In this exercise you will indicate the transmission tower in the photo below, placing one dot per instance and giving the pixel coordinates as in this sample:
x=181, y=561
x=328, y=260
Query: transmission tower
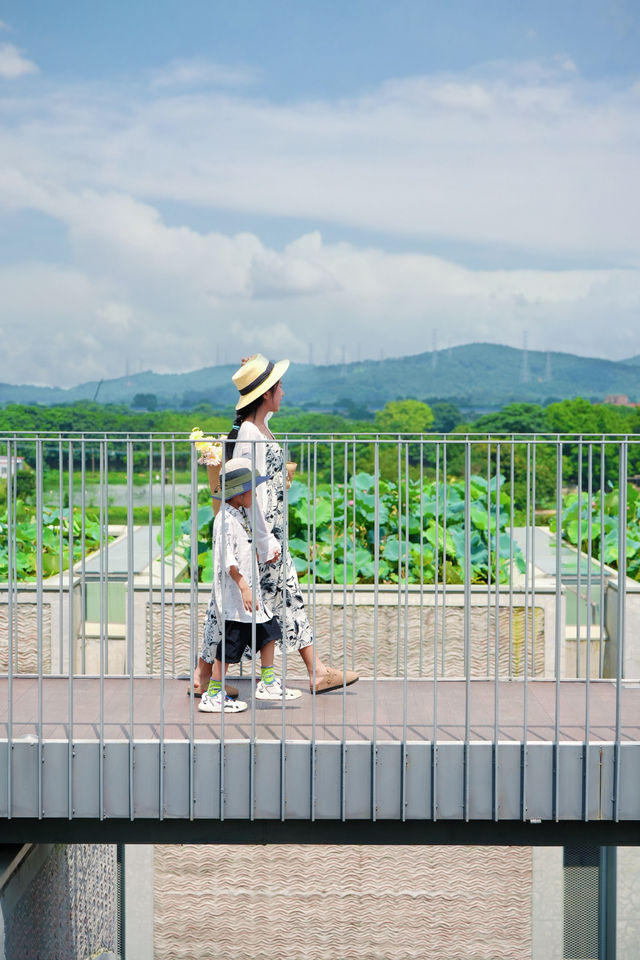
x=524, y=373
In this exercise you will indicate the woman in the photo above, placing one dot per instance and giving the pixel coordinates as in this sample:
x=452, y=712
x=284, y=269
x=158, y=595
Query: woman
x=260, y=389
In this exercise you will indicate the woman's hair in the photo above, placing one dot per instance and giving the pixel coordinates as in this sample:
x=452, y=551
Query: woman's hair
x=241, y=415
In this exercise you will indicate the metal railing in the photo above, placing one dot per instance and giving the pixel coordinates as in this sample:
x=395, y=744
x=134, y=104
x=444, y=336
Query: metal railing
x=477, y=584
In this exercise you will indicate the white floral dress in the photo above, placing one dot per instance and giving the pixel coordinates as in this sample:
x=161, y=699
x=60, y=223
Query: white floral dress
x=269, y=461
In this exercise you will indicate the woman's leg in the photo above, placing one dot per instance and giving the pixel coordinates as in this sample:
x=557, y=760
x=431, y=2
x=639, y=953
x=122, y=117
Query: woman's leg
x=202, y=674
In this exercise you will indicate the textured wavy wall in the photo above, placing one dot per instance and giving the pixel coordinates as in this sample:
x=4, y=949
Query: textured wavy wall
x=342, y=903
x=354, y=630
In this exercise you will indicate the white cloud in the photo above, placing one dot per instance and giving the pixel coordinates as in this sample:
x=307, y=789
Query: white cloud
x=12, y=63
x=527, y=157
x=201, y=73
x=530, y=157
x=171, y=297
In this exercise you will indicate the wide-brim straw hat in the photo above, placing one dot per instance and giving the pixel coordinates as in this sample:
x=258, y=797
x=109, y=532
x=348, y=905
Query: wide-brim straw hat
x=238, y=478
x=256, y=376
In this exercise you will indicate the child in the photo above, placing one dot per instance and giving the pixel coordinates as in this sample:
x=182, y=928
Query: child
x=233, y=595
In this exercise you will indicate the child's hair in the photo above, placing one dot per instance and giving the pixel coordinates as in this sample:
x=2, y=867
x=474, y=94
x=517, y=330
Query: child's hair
x=241, y=416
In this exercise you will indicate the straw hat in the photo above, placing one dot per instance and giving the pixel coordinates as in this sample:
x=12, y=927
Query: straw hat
x=256, y=376
x=238, y=478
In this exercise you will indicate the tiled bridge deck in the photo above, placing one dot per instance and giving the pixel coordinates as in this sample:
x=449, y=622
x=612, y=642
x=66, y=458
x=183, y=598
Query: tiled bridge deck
x=325, y=757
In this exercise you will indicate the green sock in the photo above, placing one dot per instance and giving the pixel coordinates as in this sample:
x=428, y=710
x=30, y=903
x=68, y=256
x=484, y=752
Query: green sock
x=215, y=686
x=267, y=674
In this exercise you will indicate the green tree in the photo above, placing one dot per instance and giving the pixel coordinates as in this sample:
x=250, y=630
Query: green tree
x=404, y=416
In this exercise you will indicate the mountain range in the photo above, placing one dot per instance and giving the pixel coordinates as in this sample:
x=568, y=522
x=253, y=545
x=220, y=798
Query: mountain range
x=475, y=375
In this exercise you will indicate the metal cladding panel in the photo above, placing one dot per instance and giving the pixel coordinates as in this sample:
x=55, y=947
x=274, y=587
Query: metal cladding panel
x=359, y=757
x=267, y=778
x=570, y=789
x=86, y=779
x=389, y=774
x=297, y=783
x=24, y=779
x=481, y=781
x=540, y=782
x=146, y=779
x=601, y=781
x=5, y=753
x=418, y=784
x=236, y=760
x=206, y=780
x=450, y=781
x=328, y=781
x=629, y=800
x=508, y=757
x=115, y=778
x=176, y=779
x=55, y=778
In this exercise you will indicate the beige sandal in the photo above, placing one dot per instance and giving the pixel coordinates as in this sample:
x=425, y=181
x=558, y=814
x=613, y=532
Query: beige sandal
x=334, y=680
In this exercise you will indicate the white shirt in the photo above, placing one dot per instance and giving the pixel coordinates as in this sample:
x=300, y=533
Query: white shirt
x=232, y=536
x=252, y=444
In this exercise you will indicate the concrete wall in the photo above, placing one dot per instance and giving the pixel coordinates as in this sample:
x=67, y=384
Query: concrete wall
x=60, y=903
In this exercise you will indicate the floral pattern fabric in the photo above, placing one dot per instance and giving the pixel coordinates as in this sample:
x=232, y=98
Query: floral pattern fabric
x=278, y=581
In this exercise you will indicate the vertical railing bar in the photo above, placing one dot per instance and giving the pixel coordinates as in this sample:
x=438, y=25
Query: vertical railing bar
x=467, y=620
x=60, y=556
x=70, y=752
x=528, y=577
x=12, y=466
x=399, y=568
x=511, y=554
x=622, y=598
x=173, y=555
x=223, y=624
x=254, y=653
x=308, y=516
x=285, y=537
x=333, y=545
x=343, y=745
x=152, y=649
x=162, y=748
x=345, y=570
x=421, y=498
x=579, y=562
x=355, y=571
x=193, y=624
x=130, y=620
x=533, y=560
x=434, y=735
x=405, y=685
x=444, y=555
x=40, y=609
x=14, y=547
x=603, y=547
x=105, y=583
x=587, y=701
x=83, y=554
x=559, y=634
x=496, y=655
x=101, y=454
x=488, y=658
x=376, y=590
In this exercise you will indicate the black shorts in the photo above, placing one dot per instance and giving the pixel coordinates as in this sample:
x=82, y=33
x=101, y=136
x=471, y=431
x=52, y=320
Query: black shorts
x=238, y=638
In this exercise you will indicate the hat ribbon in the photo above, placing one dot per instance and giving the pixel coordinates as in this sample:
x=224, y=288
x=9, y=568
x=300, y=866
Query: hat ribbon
x=256, y=383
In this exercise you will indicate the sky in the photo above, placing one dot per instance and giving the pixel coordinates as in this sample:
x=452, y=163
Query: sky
x=183, y=183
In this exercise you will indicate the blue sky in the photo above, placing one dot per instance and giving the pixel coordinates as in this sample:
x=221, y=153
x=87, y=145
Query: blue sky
x=186, y=181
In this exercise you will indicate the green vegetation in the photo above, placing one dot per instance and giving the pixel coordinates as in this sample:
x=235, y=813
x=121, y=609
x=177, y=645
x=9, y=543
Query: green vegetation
x=594, y=523
x=332, y=537
x=55, y=540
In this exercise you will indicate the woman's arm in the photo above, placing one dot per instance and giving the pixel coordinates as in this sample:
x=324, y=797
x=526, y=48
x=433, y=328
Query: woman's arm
x=251, y=444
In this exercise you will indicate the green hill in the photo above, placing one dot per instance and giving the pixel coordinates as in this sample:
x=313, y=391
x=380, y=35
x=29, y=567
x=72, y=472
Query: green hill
x=478, y=374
